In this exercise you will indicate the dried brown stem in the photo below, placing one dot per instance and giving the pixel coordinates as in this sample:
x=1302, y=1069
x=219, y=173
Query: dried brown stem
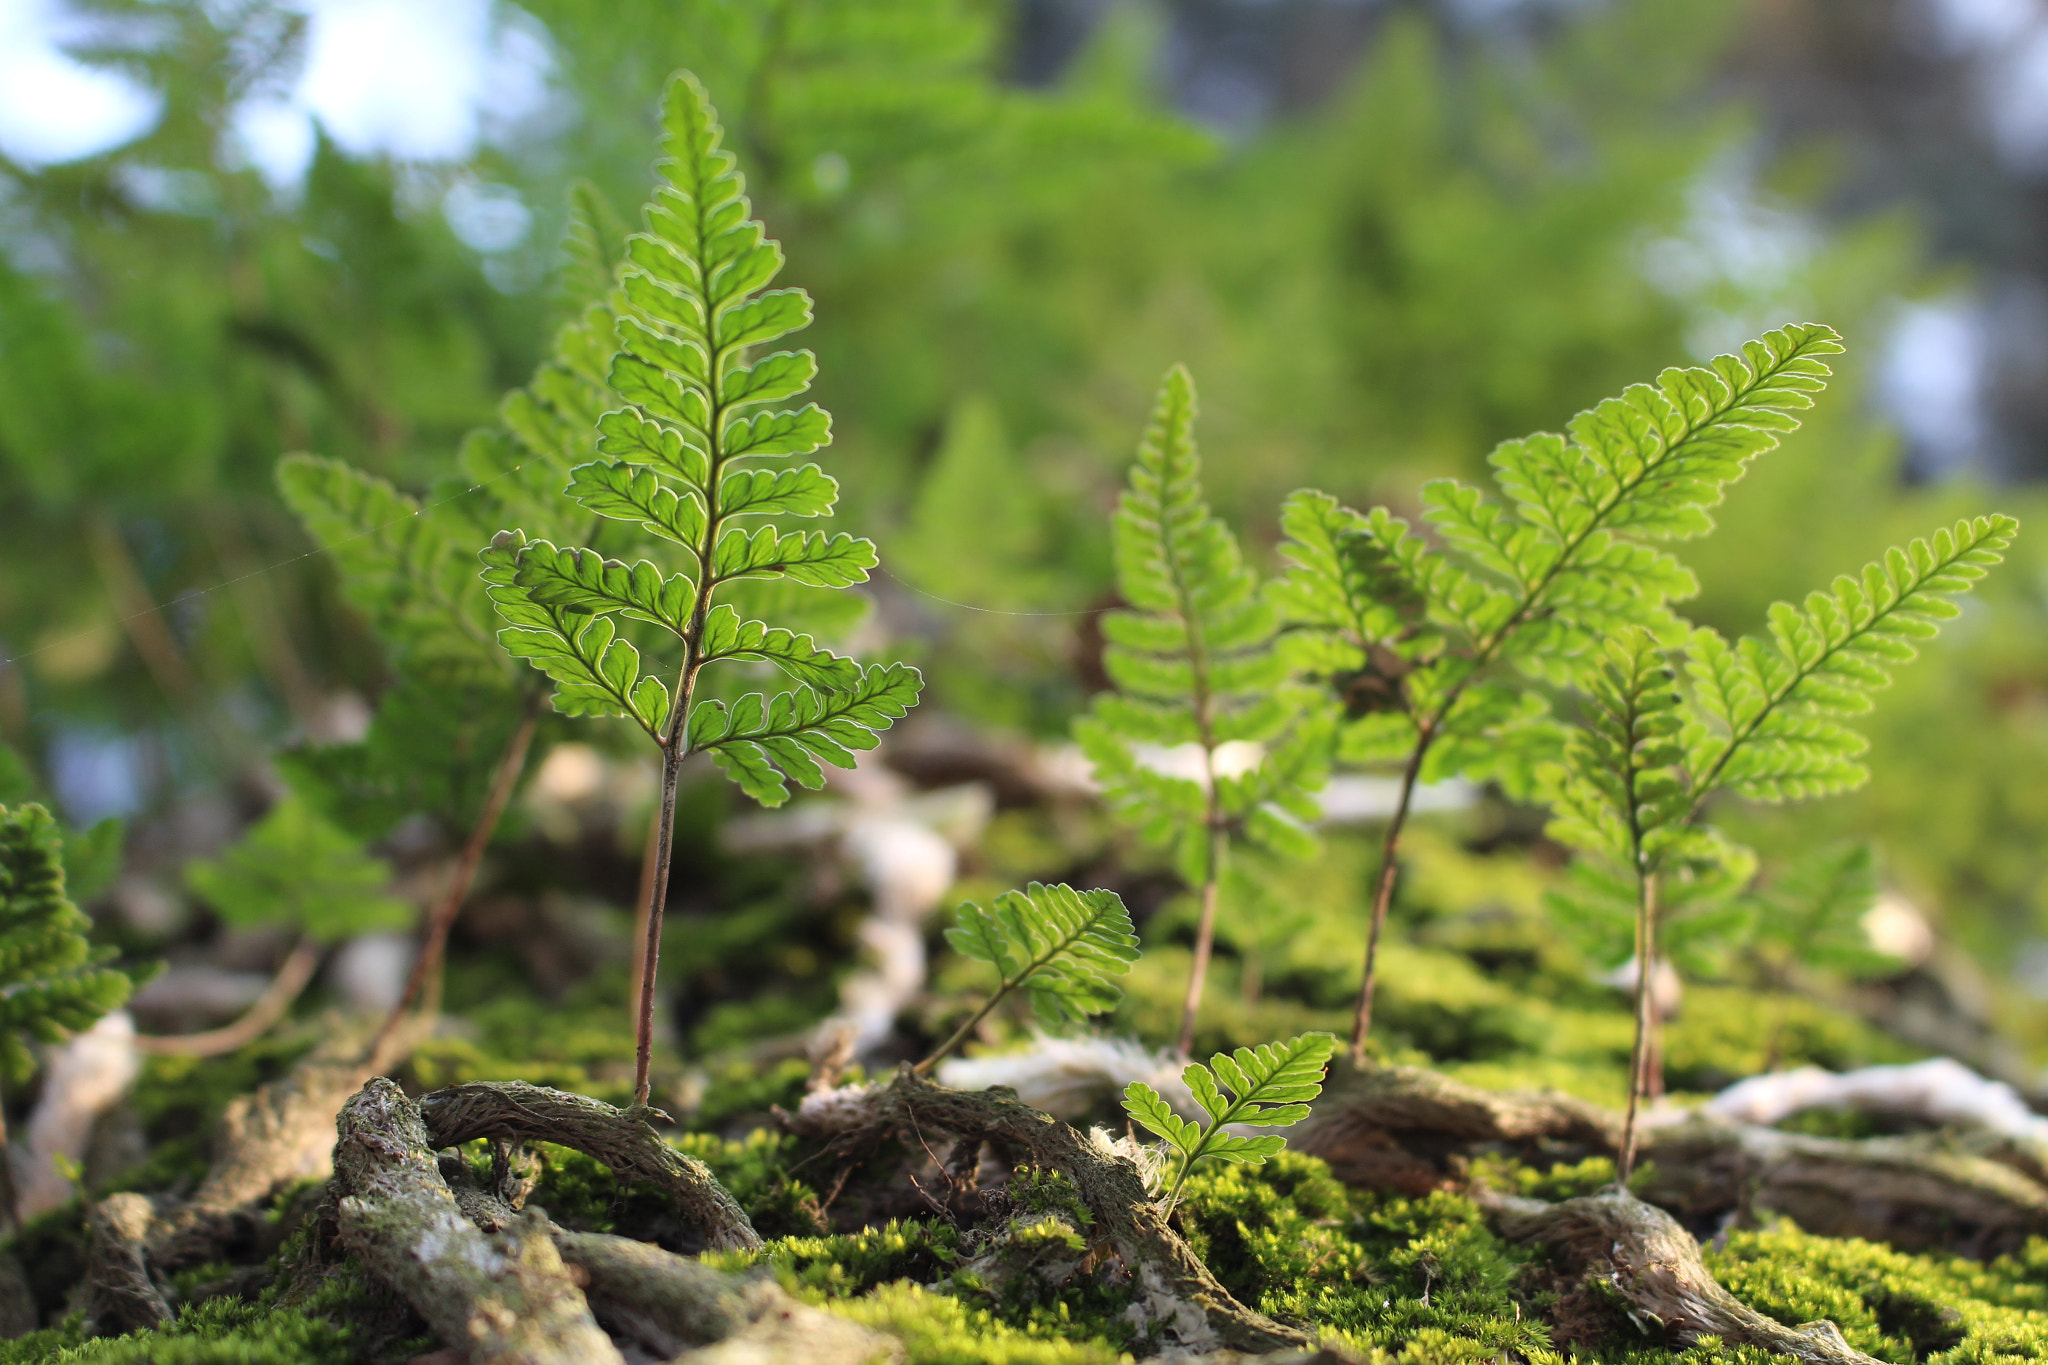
x=284, y=988
x=426, y=968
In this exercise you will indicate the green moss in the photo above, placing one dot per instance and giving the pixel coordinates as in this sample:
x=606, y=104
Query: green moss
x=582, y=1042
x=218, y=1332
x=938, y=1330
x=739, y=1088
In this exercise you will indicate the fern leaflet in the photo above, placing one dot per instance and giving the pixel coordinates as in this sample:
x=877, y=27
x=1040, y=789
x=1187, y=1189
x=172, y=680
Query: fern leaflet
x=1061, y=947
x=1268, y=1086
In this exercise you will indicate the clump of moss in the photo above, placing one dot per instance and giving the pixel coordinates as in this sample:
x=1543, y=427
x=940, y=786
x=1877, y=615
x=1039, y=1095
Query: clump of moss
x=179, y=1101
x=939, y=1330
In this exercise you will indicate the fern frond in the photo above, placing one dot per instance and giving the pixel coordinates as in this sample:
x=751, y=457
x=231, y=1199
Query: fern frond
x=692, y=401
x=1619, y=791
x=1268, y=1086
x=1769, y=714
x=52, y=981
x=1063, y=948
x=1812, y=912
x=1195, y=662
x=294, y=868
x=407, y=567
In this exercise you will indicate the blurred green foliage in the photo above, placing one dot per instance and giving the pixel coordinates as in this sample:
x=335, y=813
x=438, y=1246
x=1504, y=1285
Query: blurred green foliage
x=1465, y=243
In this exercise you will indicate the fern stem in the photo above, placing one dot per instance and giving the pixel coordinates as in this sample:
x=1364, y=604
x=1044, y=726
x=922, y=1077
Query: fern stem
x=1205, y=926
x=425, y=976
x=1383, y=892
x=959, y=1035
x=657, y=901
x=285, y=987
x=1639, y=1053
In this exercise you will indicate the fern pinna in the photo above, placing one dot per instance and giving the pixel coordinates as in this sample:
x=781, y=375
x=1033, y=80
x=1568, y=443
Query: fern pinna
x=1422, y=637
x=1194, y=662
x=692, y=404
x=1765, y=717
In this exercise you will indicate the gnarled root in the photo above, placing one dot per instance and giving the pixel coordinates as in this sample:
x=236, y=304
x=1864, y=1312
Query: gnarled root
x=279, y=1133
x=505, y=1297
x=1655, y=1265
x=620, y=1138
x=1407, y=1129
x=1176, y=1290
x=122, y=1295
x=504, y=1286
x=1915, y=1193
x=1412, y=1130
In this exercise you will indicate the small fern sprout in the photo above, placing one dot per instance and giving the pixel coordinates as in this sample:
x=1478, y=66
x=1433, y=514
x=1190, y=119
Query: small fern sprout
x=1765, y=718
x=1423, y=640
x=1061, y=947
x=1195, y=663
x=694, y=407
x=1268, y=1086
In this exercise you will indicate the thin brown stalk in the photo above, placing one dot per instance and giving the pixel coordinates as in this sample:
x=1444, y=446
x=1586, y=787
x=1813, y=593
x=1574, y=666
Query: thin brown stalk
x=643, y=905
x=285, y=987
x=656, y=903
x=1646, y=977
x=426, y=968
x=1205, y=927
x=1383, y=894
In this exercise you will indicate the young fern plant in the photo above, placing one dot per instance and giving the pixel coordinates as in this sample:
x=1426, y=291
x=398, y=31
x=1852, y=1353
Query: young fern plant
x=1268, y=1086
x=1765, y=718
x=1061, y=947
x=1195, y=665
x=1423, y=638
x=693, y=404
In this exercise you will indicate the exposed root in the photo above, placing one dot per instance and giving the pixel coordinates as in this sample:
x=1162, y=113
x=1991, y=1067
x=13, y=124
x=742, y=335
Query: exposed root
x=280, y=1133
x=1655, y=1265
x=1407, y=1129
x=502, y=1285
x=665, y=1302
x=122, y=1295
x=1176, y=1291
x=622, y=1139
x=1916, y=1193
x=501, y=1298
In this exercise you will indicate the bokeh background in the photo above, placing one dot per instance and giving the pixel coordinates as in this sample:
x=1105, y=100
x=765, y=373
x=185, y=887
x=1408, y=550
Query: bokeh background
x=1384, y=235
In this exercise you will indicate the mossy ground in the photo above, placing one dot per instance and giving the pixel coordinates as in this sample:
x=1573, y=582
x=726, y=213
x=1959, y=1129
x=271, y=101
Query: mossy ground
x=1472, y=987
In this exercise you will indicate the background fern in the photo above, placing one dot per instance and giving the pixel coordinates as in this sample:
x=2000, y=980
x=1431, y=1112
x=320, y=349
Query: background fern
x=52, y=981
x=1528, y=585
x=1194, y=662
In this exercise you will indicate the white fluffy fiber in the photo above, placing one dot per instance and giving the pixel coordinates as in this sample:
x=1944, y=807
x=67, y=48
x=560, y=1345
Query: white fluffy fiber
x=1065, y=1076
x=1941, y=1090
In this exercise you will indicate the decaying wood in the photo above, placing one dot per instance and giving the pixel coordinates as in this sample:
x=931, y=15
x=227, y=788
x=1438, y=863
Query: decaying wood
x=622, y=1139
x=503, y=1298
x=1917, y=1193
x=121, y=1294
x=1407, y=1129
x=1655, y=1265
x=1174, y=1289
